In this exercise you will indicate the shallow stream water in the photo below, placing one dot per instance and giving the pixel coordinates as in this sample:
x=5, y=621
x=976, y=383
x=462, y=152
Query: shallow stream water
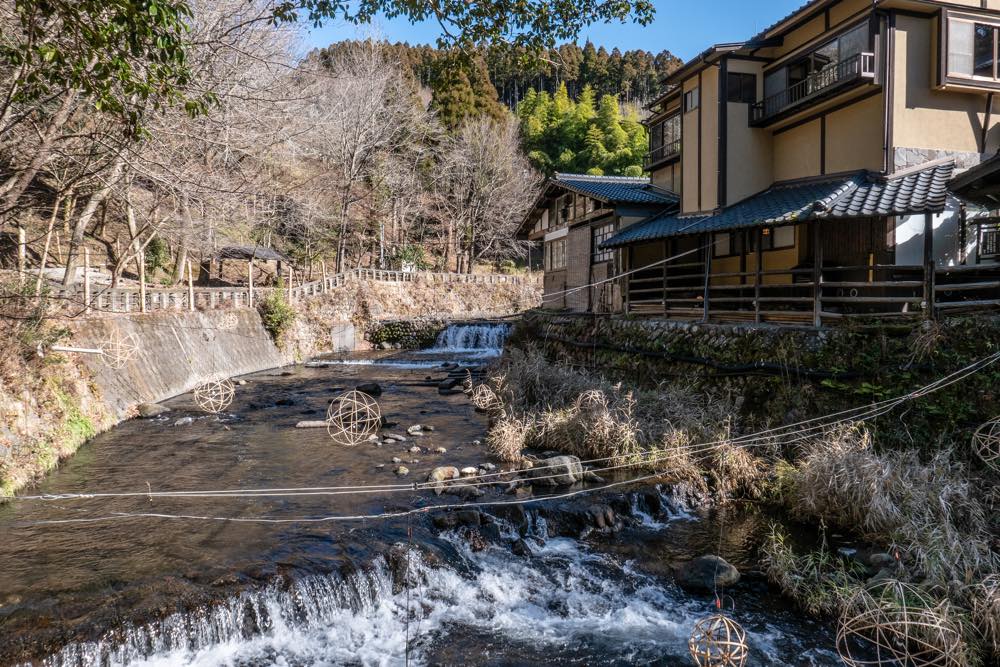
x=209, y=591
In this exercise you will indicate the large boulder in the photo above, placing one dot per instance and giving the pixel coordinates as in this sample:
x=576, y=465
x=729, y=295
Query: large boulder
x=370, y=388
x=706, y=573
x=557, y=471
x=440, y=475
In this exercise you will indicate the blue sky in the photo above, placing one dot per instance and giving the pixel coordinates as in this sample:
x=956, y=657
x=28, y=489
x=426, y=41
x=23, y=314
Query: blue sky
x=685, y=27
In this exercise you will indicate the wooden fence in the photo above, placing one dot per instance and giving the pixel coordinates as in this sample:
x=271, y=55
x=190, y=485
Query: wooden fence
x=129, y=299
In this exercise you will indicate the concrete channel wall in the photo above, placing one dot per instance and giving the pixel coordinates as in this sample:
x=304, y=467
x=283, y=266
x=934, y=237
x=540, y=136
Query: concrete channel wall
x=176, y=352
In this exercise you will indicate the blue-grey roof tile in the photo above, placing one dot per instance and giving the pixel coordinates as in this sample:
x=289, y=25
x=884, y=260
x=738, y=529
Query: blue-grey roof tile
x=857, y=195
x=617, y=189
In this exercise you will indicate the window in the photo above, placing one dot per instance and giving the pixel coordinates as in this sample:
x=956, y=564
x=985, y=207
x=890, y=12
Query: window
x=665, y=138
x=989, y=240
x=692, y=99
x=972, y=49
x=555, y=255
x=723, y=246
x=600, y=235
x=775, y=238
x=741, y=88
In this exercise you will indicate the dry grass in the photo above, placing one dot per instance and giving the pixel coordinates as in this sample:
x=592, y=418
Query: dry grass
x=821, y=581
x=927, y=510
x=984, y=603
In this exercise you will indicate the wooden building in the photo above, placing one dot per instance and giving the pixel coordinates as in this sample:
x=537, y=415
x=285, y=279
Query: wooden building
x=820, y=168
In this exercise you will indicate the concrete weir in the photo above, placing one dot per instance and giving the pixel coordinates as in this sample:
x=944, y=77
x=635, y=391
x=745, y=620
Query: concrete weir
x=177, y=351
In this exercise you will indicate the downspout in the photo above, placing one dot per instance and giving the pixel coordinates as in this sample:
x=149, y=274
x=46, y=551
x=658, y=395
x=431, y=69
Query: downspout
x=986, y=123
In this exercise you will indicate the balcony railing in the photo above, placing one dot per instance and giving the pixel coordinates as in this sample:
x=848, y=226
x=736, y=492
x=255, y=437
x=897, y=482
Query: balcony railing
x=817, y=85
x=668, y=150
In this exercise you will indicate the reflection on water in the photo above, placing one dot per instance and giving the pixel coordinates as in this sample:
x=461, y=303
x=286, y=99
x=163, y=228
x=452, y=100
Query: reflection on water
x=165, y=592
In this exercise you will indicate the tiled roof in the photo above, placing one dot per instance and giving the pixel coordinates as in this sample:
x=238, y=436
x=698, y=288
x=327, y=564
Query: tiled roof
x=922, y=190
x=616, y=189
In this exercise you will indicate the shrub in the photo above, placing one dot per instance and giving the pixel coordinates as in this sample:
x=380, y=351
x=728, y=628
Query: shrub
x=157, y=255
x=276, y=313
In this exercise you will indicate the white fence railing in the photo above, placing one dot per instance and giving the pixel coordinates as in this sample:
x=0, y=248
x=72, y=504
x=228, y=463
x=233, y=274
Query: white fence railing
x=129, y=299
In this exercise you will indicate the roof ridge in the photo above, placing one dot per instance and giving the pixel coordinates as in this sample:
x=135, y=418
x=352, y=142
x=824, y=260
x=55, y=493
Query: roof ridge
x=598, y=179
x=915, y=169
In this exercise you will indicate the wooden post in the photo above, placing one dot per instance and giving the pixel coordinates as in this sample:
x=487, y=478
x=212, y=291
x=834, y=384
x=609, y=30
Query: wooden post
x=190, y=286
x=250, y=281
x=706, y=298
x=929, y=301
x=757, y=269
x=22, y=252
x=817, y=274
x=322, y=264
x=45, y=249
x=290, y=275
x=142, y=281
x=663, y=267
x=86, y=279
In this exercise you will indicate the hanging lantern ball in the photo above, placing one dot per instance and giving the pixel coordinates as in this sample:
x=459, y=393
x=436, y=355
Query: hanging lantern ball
x=118, y=349
x=215, y=396
x=718, y=641
x=352, y=418
x=986, y=443
x=894, y=623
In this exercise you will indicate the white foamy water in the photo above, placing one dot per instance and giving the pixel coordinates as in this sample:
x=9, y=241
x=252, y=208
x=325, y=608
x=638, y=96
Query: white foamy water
x=474, y=338
x=564, y=602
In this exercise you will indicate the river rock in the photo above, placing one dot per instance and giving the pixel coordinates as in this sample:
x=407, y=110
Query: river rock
x=402, y=471
x=416, y=429
x=415, y=450
x=448, y=384
x=370, y=388
x=441, y=450
x=396, y=459
x=463, y=491
x=184, y=421
x=394, y=436
x=311, y=424
x=705, y=573
x=452, y=520
x=488, y=467
x=440, y=475
x=150, y=410
x=558, y=471
x=469, y=471
x=520, y=548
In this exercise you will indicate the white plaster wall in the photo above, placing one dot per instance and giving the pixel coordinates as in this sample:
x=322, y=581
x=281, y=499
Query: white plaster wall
x=947, y=237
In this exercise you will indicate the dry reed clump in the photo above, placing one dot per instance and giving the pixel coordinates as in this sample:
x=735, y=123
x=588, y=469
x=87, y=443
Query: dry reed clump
x=821, y=581
x=927, y=510
x=562, y=409
x=984, y=604
x=506, y=440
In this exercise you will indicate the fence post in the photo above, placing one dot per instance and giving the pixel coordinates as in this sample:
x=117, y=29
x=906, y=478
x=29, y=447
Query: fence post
x=250, y=281
x=290, y=284
x=929, y=267
x=709, y=251
x=817, y=274
x=190, y=286
x=86, y=279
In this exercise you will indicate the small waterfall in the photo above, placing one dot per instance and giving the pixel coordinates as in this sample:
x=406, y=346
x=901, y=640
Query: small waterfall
x=483, y=338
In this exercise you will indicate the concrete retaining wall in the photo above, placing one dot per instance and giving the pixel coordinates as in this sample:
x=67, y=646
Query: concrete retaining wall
x=177, y=352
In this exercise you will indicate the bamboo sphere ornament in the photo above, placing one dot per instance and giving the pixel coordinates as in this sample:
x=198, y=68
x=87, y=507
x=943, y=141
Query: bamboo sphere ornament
x=986, y=443
x=117, y=350
x=893, y=623
x=352, y=418
x=215, y=396
x=485, y=399
x=718, y=641
x=228, y=322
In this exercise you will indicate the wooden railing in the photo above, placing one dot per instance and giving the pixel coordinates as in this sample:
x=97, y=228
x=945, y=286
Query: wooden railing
x=129, y=299
x=809, y=296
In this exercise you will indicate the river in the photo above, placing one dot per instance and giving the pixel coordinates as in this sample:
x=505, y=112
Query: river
x=128, y=590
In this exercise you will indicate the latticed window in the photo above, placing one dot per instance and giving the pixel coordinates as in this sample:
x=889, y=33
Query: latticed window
x=989, y=240
x=600, y=235
x=555, y=255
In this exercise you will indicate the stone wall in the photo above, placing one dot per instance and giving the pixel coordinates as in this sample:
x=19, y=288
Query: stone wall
x=782, y=375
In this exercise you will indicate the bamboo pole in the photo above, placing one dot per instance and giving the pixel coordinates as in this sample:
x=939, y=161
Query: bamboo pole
x=142, y=280
x=289, y=284
x=45, y=249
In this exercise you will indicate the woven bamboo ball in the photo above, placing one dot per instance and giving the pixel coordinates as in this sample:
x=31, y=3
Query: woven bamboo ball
x=119, y=349
x=353, y=417
x=215, y=396
x=894, y=623
x=718, y=641
x=986, y=443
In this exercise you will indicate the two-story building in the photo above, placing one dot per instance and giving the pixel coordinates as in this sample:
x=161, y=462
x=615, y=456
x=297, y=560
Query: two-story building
x=814, y=168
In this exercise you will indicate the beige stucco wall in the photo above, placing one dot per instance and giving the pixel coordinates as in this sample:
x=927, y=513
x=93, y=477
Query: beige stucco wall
x=797, y=152
x=689, y=153
x=710, y=139
x=855, y=136
x=846, y=10
x=749, y=162
x=928, y=118
x=667, y=177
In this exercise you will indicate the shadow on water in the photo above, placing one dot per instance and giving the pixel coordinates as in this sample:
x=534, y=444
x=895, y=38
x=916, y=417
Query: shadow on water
x=169, y=592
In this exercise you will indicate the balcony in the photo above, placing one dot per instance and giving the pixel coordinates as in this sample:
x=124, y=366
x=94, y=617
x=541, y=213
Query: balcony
x=667, y=151
x=816, y=87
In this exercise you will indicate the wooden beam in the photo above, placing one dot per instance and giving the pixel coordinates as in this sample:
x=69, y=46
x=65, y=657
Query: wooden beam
x=709, y=251
x=929, y=265
x=817, y=274
x=759, y=252
x=666, y=253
